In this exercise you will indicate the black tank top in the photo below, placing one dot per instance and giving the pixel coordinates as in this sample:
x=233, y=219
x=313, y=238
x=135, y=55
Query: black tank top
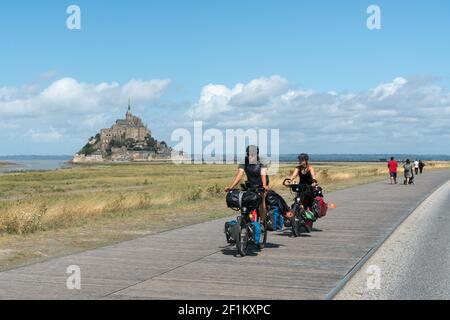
x=305, y=178
x=253, y=173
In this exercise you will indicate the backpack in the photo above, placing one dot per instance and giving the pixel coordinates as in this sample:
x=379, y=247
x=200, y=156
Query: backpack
x=319, y=207
x=275, y=220
x=274, y=200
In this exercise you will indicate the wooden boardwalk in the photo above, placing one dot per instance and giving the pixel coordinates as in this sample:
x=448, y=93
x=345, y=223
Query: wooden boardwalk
x=195, y=263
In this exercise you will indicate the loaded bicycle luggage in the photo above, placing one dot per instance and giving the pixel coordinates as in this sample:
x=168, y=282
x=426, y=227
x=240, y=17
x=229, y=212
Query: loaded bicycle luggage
x=306, y=211
x=246, y=229
x=319, y=206
x=238, y=199
x=277, y=209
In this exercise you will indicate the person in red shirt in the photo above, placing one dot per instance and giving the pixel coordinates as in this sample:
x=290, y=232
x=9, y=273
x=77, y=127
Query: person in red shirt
x=393, y=165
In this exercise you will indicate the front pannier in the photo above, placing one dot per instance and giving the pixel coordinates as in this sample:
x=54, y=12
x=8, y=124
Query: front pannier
x=237, y=199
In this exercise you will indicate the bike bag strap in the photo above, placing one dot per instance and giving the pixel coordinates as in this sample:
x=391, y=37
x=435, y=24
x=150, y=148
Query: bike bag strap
x=241, y=195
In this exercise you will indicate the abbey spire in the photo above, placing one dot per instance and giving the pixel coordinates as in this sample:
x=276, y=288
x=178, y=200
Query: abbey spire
x=129, y=115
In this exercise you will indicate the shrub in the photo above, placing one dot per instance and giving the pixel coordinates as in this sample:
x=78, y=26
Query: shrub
x=195, y=194
x=214, y=190
x=22, y=219
x=88, y=149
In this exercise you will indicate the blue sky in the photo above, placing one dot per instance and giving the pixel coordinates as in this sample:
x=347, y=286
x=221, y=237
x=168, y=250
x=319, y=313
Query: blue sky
x=318, y=46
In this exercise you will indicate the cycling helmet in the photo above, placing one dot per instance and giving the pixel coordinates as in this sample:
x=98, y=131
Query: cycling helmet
x=303, y=157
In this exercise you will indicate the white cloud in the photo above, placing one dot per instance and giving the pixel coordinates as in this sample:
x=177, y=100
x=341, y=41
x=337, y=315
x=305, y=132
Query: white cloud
x=371, y=121
x=70, y=96
x=69, y=110
x=213, y=99
x=12, y=93
x=404, y=115
x=64, y=90
x=258, y=92
x=217, y=98
x=7, y=93
x=388, y=89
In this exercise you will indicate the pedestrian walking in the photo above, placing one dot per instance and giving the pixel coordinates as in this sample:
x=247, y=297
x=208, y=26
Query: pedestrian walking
x=408, y=172
x=416, y=166
x=393, y=167
x=421, y=166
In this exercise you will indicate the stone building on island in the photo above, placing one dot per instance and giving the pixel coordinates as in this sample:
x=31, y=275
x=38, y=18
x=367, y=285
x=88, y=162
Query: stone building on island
x=129, y=128
x=128, y=139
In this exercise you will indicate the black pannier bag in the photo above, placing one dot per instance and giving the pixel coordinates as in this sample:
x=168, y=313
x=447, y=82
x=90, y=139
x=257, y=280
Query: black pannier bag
x=232, y=230
x=273, y=199
x=237, y=199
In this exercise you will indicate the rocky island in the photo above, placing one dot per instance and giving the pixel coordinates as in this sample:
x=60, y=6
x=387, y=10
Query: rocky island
x=127, y=140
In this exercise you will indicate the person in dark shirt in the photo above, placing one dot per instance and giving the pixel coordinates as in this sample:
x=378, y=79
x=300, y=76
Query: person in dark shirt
x=256, y=171
x=421, y=166
x=307, y=176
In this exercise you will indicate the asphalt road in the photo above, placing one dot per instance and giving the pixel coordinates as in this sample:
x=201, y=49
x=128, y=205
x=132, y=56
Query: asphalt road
x=414, y=263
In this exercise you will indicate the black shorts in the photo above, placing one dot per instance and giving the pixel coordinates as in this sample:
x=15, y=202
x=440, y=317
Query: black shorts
x=393, y=174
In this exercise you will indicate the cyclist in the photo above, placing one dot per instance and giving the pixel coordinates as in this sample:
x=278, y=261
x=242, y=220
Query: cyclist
x=307, y=176
x=257, y=177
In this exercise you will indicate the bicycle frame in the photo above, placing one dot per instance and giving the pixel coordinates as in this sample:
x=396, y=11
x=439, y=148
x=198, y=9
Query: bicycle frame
x=299, y=221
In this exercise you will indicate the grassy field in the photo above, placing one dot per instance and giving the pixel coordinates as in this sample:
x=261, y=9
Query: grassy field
x=47, y=214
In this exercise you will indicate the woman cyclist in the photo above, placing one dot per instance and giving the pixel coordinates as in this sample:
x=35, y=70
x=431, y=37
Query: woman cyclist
x=307, y=176
x=257, y=176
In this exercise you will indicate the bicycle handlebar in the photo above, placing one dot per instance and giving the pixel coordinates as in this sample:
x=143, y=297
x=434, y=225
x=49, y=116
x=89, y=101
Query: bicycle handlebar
x=246, y=187
x=298, y=187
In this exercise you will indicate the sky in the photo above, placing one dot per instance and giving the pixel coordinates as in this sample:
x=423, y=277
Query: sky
x=311, y=69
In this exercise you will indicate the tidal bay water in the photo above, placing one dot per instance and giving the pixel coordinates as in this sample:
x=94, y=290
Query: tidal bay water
x=33, y=163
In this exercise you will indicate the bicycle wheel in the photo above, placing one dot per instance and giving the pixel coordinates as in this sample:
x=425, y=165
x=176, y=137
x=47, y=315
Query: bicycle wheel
x=298, y=224
x=242, y=242
x=309, y=226
x=296, y=228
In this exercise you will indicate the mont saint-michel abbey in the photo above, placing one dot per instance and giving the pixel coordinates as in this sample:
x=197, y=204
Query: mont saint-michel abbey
x=128, y=139
x=129, y=128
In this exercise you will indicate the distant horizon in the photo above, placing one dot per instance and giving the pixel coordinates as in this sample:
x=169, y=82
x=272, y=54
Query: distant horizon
x=281, y=154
